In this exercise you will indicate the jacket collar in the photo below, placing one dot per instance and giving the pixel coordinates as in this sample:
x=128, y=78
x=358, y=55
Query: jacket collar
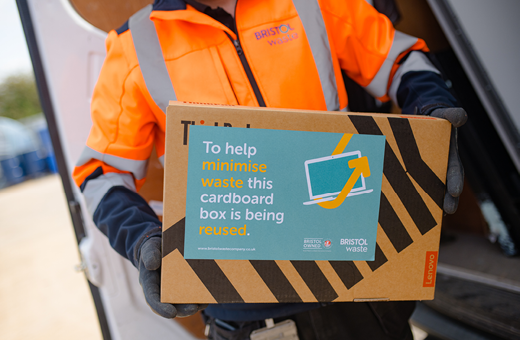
x=178, y=10
x=169, y=5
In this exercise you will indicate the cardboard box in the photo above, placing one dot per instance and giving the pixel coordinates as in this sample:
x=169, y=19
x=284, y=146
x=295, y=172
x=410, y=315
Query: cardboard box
x=408, y=232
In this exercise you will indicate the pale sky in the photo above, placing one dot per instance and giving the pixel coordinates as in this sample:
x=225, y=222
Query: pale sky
x=14, y=56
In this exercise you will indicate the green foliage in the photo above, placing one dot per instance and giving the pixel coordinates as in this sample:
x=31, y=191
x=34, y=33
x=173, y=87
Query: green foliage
x=19, y=97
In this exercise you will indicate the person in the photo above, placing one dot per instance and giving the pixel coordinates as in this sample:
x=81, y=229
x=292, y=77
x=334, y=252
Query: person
x=283, y=53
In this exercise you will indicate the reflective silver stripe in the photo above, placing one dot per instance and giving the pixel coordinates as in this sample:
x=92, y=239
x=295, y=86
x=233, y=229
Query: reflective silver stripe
x=151, y=60
x=401, y=43
x=416, y=61
x=161, y=159
x=96, y=188
x=138, y=168
x=314, y=26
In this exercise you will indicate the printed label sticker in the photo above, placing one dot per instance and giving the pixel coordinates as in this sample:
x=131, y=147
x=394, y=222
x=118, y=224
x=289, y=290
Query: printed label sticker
x=255, y=194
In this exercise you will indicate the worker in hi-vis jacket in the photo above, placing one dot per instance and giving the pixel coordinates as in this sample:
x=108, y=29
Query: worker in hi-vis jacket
x=272, y=53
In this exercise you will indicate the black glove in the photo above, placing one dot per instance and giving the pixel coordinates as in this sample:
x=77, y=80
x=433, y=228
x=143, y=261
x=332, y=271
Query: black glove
x=150, y=280
x=455, y=175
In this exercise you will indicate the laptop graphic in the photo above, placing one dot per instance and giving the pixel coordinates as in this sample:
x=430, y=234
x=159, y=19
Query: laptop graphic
x=326, y=177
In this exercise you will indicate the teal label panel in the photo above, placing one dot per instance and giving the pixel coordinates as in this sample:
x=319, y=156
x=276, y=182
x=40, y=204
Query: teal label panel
x=255, y=194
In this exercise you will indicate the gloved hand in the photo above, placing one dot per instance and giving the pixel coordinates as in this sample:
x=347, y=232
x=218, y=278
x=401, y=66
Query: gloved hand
x=455, y=175
x=150, y=280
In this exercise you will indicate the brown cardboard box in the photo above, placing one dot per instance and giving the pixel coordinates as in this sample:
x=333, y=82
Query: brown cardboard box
x=409, y=219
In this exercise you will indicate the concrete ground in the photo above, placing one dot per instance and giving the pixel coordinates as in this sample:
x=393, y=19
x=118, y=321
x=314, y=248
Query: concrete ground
x=41, y=296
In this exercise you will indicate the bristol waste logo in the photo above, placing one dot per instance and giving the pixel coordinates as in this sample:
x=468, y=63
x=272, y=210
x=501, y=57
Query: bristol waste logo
x=277, y=35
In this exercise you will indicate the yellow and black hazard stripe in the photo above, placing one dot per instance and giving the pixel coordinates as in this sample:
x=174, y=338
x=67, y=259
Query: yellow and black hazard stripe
x=415, y=166
x=311, y=281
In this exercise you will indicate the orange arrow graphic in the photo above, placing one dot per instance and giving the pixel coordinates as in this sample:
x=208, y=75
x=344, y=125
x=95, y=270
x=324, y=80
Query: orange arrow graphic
x=361, y=167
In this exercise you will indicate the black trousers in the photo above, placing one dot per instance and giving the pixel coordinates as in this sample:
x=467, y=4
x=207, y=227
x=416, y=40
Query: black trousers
x=338, y=321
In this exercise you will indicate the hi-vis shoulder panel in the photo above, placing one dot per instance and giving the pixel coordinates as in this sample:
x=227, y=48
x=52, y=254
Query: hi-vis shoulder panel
x=409, y=218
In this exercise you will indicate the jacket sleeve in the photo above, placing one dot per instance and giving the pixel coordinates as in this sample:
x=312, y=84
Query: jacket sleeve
x=421, y=92
x=114, y=162
x=379, y=58
x=122, y=214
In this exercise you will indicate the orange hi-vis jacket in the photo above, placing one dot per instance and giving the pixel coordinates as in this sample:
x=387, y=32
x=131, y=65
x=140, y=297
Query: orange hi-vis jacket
x=286, y=54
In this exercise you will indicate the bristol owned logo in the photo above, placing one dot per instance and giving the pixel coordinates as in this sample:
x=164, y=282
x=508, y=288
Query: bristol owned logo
x=277, y=35
x=317, y=244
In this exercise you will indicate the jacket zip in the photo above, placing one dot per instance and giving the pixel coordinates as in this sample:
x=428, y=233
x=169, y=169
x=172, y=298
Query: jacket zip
x=245, y=64
x=249, y=73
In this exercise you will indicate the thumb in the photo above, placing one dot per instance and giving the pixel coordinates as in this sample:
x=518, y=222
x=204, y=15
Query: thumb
x=151, y=253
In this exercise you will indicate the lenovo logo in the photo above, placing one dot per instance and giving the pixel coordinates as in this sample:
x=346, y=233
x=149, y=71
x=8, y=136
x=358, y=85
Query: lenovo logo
x=430, y=269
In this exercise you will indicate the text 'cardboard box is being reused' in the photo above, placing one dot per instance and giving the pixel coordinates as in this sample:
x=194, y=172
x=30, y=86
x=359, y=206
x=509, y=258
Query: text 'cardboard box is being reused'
x=274, y=205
